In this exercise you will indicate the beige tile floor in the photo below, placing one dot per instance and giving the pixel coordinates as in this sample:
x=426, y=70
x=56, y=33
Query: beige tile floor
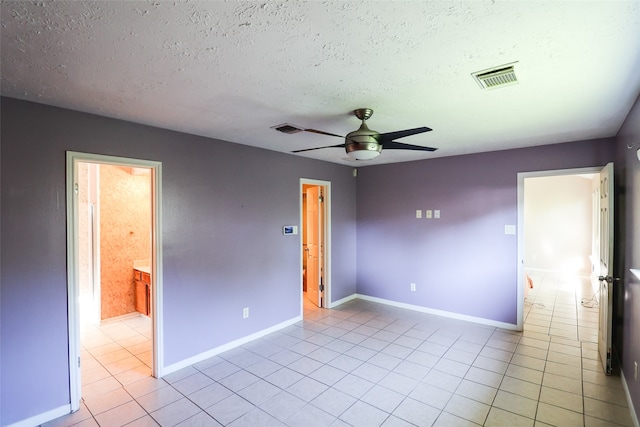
x=366, y=364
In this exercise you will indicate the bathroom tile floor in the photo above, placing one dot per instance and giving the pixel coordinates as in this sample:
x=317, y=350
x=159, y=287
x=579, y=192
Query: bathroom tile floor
x=367, y=364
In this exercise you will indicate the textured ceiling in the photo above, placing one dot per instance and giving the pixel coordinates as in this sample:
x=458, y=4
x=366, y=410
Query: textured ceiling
x=231, y=70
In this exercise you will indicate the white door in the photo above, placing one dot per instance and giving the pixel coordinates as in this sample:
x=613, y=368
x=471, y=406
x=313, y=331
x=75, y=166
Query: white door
x=606, y=267
x=314, y=293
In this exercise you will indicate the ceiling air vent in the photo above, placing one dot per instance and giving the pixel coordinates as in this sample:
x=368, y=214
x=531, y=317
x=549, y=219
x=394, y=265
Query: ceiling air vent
x=287, y=128
x=493, y=78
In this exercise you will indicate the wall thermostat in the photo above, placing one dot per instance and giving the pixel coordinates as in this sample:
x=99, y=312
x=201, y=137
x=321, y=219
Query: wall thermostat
x=289, y=229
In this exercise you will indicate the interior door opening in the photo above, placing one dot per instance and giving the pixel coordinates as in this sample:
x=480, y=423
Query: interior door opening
x=114, y=241
x=113, y=257
x=315, y=224
x=560, y=243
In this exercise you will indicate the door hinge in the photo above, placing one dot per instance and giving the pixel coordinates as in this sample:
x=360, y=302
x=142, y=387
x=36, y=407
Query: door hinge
x=75, y=188
x=321, y=198
x=608, y=279
x=78, y=361
x=321, y=288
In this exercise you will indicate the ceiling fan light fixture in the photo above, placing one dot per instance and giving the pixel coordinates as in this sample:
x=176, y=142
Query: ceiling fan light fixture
x=363, y=154
x=363, y=151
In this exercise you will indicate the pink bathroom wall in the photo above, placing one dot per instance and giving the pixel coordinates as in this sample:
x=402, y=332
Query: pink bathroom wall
x=125, y=235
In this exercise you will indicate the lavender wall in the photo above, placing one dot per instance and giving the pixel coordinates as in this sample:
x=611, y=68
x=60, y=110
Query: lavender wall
x=463, y=262
x=629, y=235
x=224, y=206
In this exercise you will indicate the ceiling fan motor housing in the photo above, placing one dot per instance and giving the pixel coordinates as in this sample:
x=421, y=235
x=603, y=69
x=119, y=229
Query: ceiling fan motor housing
x=362, y=144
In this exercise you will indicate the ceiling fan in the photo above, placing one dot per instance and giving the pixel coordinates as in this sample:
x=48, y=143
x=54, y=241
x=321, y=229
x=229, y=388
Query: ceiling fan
x=365, y=144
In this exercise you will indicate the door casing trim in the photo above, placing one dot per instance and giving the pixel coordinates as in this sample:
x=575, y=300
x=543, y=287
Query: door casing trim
x=520, y=232
x=327, y=240
x=72, y=160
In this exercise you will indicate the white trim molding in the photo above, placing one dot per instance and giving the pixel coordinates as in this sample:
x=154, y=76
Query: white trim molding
x=42, y=418
x=72, y=159
x=343, y=300
x=442, y=313
x=327, y=239
x=228, y=346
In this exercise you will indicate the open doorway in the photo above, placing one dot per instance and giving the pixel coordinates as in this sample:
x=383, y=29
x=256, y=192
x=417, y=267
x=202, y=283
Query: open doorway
x=315, y=225
x=114, y=234
x=558, y=257
x=562, y=253
x=113, y=265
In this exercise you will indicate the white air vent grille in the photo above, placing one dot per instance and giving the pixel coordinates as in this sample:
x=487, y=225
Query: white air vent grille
x=492, y=78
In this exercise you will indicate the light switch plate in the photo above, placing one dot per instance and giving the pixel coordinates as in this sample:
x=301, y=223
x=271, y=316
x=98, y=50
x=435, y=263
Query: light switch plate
x=436, y=213
x=509, y=229
x=429, y=213
x=418, y=213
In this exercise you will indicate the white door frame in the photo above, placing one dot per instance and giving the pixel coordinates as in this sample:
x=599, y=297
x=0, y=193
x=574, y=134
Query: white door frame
x=327, y=240
x=521, y=236
x=73, y=287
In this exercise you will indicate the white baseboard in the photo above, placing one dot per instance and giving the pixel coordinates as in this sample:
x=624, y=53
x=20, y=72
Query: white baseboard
x=632, y=411
x=233, y=344
x=343, y=300
x=36, y=420
x=228, y=346
x=442, y=313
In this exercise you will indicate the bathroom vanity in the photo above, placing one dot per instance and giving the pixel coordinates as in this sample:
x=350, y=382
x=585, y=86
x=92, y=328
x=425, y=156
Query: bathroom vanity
x=142, y=278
